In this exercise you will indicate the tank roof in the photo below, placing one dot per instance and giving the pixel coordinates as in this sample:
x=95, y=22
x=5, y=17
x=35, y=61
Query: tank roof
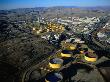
x=56, y=61
x=54, y=77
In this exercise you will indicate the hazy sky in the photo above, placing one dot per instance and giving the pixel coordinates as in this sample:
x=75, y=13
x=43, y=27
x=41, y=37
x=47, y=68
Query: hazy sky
x=12, y=4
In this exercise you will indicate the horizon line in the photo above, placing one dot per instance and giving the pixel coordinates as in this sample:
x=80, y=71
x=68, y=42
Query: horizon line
x=55, y=6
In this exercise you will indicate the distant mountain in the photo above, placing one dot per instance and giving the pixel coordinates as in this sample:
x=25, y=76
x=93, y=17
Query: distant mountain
x=104, y=8
x=88, y=8
x=97, y=8
x=57, y=7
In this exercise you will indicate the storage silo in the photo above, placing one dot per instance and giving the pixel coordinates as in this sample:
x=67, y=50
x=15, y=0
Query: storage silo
x=53, y=77
x=90, y=57
x=55, y=63
x=66, y=53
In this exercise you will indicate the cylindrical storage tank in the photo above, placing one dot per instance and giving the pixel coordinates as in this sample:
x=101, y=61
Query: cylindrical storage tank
x=68, y=46
x=55, y=63
x=72, y=47
x=66, y=53
x=84, y=50
x=53, y=77
x=81, y=51
x=90, y=57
